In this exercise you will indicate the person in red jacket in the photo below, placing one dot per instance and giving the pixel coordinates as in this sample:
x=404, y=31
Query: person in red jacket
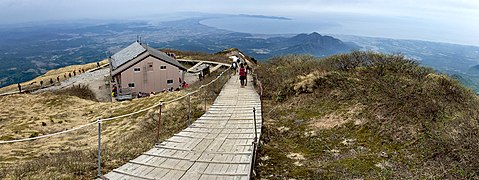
x=242, y=74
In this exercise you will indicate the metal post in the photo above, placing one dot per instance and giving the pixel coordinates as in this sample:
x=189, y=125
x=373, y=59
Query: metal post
x=254, y=144
x=99, y=147
x=189, y=110
x=158, y=124
x=254, y=119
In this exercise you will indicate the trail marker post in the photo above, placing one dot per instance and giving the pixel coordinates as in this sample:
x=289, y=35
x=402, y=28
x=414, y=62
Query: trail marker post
x=189, y=110
x=99, y=147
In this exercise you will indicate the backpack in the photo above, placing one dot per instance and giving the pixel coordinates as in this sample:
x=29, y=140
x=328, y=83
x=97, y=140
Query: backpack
x=242, y=72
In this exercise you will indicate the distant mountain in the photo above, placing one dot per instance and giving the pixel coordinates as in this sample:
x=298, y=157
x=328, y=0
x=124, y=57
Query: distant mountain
x=265, y=48
x=459, y=61
x=316, y=44
x=474, y=70
x=445, y=57
x=264, y=17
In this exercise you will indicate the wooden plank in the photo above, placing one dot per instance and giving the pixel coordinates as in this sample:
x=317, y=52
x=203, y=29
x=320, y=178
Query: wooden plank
x=131, y=176
x=128, y=167
x=162, y=166
x=145, y=171
x=158, y=173
x=173, y=174
x=170, y=163
x=191, y=176
x=113, y=175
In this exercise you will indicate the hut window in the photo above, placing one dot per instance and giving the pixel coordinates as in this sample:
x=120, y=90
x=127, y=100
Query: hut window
x=132, y=85
x=136, y=69
x=149, y=66
x=163, y=67
x=170, y=81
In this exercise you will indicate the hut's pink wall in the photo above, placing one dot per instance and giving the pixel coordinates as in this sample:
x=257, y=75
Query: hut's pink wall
x=151, y=81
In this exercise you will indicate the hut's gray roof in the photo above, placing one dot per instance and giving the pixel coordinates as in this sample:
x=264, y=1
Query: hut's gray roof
x=163, y=56
x=135, y=49
x=127, y=54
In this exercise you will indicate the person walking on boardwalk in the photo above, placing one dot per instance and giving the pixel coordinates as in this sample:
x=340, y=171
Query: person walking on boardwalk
x=58, y=78
x=234, y=66
x=242, y=74
x=19, y=88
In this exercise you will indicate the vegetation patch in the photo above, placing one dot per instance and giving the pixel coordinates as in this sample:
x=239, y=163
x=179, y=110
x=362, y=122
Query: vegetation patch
x=365, y=115
x=81, y=91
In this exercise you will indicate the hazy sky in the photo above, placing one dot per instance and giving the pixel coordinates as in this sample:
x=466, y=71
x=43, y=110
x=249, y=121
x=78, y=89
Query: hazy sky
x=455, y=21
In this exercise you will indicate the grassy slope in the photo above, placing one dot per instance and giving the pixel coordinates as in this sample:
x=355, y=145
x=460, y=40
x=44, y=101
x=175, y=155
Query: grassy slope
x=365, y=115
x=73, y=155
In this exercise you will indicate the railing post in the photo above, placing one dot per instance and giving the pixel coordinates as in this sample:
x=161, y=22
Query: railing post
x=99, y=147
x=158, y=125
x=254, y=145
x=254, y=120
x=189, y=110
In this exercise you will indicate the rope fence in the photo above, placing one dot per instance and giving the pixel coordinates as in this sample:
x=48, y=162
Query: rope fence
x=99, y=120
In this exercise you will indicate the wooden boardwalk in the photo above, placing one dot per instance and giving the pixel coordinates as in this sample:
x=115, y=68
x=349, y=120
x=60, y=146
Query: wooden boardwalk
x=218, y=145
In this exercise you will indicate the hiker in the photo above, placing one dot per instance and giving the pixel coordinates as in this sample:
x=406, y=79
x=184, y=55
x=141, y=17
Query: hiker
x=248, y=69
x=234, y=66
x=242, y=74
x=58, y=78
x=69, y=75
x=98, y=64
x=82, y=70
x=65, y=75
x=41, y=83
x=74, y=73
x=51, y=81
x=19, y=88
x=114, y=91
